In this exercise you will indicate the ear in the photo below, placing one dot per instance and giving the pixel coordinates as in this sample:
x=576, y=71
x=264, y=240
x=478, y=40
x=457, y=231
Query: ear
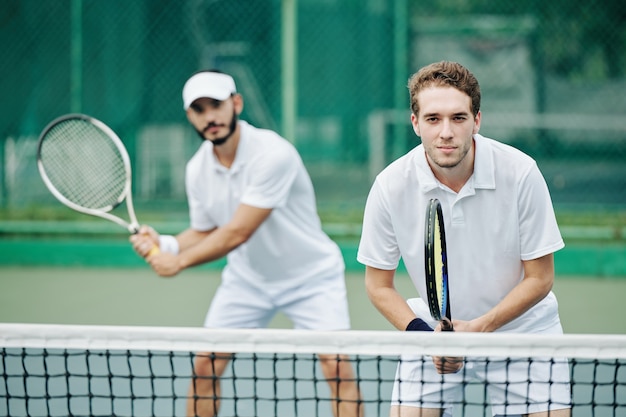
x=238, y=103
x=477, y=122
x=415, y=124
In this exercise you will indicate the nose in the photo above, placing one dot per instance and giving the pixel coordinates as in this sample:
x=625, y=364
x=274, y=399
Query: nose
x=446, y=129
x=206, y=117
x=207, y=114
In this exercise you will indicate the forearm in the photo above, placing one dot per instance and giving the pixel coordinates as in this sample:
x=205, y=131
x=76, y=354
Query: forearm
x=393, y=307
x=537, y=283
x=191, y=237
x=521, y=299
x=211, y=246
x=193, y=247
x=386, y=299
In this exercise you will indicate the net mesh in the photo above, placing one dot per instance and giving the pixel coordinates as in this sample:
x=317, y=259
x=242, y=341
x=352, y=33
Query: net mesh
x=48, y=370
x=84, y=164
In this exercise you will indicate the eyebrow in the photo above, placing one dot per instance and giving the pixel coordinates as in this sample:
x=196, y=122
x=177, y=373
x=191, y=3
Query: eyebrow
x=462, y=113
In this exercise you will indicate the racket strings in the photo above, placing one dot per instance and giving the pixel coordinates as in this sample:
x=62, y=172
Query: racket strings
x=442, y=266
x=436, y=262
x=439, y=274
x=84, y=165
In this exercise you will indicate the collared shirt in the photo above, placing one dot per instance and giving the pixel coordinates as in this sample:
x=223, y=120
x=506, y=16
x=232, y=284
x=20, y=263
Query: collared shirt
x=267, y=172
x=502, y=216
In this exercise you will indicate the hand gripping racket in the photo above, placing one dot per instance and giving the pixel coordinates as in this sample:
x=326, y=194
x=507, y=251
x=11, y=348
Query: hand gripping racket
x=85, y=166
x=436, y=264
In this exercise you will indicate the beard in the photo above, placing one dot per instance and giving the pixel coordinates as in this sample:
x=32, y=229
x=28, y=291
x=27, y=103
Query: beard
x=444, y=162
x=220, y=141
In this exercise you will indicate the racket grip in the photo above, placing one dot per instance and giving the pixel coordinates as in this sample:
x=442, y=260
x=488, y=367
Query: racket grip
x=155, y=250
x=446, y=325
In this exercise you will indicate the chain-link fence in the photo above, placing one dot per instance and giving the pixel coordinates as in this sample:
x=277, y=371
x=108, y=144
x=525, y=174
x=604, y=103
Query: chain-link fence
x=328, y=74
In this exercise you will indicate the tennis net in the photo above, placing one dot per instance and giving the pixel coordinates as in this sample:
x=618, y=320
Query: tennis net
x=68, y=370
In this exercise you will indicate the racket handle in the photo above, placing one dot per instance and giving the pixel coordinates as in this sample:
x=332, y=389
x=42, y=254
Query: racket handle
x=446, y=325
x=155, y=250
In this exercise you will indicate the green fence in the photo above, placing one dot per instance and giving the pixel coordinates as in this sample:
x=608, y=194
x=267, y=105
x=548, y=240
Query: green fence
x=328, y=74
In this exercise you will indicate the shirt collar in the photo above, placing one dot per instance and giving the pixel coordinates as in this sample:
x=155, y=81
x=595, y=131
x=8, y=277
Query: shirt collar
x=242, y=151
x=484, y=169
x=484, y=165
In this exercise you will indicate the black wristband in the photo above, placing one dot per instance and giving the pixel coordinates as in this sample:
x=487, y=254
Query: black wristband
x=418, y=325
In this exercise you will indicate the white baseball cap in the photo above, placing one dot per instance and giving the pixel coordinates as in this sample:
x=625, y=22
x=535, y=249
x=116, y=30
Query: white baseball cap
x=215, y=85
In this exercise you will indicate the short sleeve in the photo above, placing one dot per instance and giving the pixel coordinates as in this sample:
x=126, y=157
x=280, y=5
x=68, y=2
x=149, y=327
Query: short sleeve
x=199, y=218
x=271, y=177
x=378, y=247
x=539, y=231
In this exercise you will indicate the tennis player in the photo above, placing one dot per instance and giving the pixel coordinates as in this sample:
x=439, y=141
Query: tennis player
x=251, y=200
x=501, y=235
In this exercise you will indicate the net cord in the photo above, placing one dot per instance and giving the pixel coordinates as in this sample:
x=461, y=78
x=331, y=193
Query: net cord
x=356, y=342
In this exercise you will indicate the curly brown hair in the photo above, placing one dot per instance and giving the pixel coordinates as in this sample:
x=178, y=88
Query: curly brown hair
x=444, y=73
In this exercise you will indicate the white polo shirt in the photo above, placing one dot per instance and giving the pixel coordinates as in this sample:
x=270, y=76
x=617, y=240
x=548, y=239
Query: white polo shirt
x=502, y=215
x=267, y=173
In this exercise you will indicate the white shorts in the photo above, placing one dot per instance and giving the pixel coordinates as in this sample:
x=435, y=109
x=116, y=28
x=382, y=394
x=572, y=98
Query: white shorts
x=512, y=387
x=319, y=304
x=532, y=387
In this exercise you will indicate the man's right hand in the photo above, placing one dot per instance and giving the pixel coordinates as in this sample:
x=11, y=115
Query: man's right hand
x=145, y=242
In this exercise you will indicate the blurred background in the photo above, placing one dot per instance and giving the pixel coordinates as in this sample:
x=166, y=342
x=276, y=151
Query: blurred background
x=329, y=75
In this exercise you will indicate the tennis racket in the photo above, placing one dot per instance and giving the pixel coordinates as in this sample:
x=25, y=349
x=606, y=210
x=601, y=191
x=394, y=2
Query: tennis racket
x=85, y=166
x=437, y=266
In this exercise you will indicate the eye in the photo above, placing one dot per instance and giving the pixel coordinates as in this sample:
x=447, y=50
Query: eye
x=215, y=104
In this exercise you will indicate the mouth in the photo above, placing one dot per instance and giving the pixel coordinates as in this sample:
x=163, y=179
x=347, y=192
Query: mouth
x=212, y=128
x=446, y=149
